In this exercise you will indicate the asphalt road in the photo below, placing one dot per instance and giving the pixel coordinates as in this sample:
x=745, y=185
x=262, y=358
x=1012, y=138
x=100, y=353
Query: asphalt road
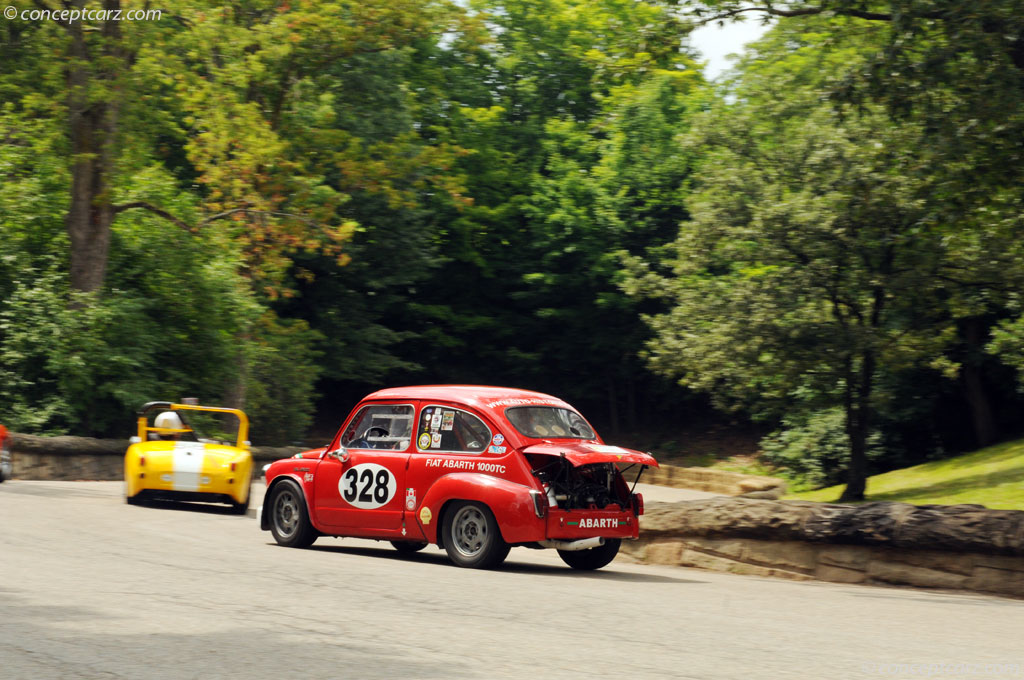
x=93, y=588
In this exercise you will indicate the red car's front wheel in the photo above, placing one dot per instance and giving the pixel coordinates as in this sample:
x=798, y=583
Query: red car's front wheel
x=289, y=520
x=408, y=547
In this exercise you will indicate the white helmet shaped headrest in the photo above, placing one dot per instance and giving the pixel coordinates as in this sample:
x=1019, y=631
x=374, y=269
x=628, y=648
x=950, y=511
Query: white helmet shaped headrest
x=168, y=420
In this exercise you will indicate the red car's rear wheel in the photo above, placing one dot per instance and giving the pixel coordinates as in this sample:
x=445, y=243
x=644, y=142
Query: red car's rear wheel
x=593, y=558
x=472, y=538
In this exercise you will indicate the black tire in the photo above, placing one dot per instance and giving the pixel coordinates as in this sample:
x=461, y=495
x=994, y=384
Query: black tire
x=408, y=547
x=471, y=536
x=289, y=519
x=594, y=558
x=243, y=507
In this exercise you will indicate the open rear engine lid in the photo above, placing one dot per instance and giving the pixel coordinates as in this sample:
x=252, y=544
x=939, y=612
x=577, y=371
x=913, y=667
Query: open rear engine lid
x=583, y=453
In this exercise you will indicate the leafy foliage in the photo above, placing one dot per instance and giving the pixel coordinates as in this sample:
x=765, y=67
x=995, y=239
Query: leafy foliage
x=818, y=258
x=267, y=202
x=814, y=448
x=282, y=371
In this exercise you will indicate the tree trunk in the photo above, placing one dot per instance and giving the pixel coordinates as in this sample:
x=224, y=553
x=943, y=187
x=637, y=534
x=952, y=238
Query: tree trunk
x=985, y=431
x=92, y=131
x=858, y=426
x=856, y=474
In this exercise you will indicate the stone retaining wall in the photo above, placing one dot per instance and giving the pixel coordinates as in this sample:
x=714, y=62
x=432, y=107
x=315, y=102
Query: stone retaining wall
x=963, y=547
x=83, y=458
x=714, y=481
x=799, y=561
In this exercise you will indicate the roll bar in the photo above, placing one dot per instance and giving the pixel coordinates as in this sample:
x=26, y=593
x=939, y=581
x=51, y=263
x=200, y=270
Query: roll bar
x=144, y=429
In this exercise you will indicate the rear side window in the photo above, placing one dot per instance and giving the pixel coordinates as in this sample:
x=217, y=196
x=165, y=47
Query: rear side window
x=444, y=429
x=547, y=422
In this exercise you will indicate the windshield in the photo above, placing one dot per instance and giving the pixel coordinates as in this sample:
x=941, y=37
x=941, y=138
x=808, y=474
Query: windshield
x=548, y=421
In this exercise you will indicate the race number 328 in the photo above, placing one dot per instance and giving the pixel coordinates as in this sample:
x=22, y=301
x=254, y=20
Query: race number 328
x=367, y=486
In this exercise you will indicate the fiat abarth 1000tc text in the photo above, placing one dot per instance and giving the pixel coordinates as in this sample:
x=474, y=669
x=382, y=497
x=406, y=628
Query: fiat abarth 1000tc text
x=475, y=470
x=189, y=452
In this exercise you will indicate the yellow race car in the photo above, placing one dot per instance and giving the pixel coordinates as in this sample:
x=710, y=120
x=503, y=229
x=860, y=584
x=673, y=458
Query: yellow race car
x=170, y=459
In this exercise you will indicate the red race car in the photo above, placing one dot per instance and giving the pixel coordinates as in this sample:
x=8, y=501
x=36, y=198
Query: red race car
x=476, y=470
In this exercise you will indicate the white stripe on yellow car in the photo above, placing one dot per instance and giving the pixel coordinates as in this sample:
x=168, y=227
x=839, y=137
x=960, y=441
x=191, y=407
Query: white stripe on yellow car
x=187, y=465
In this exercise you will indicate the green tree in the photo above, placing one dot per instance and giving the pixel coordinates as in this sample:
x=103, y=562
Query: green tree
x=566, y=94
x=811, y=264
x=956, y=70
x=208, y=156
x=613, y=184
x=218, y=81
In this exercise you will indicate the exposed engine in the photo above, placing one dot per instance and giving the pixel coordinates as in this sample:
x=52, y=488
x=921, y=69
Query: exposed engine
x=594, y=486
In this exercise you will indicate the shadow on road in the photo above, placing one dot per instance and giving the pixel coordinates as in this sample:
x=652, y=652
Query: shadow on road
x=609, y=573
x=190, y=506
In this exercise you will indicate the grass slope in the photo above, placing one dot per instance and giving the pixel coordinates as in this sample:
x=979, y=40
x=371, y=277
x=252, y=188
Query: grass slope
x=993, y=477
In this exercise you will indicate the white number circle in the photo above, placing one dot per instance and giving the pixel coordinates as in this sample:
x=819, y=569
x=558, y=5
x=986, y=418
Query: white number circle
x=367, y=486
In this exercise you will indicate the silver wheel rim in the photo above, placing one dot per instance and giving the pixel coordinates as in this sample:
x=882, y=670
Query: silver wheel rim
x=286, y=513
x=469, y=531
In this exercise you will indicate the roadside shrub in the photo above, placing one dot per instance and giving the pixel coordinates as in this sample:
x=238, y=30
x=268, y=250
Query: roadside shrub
x=813, y=448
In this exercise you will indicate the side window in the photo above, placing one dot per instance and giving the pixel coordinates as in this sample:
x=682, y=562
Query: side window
x=380, y=426
x=446, y=429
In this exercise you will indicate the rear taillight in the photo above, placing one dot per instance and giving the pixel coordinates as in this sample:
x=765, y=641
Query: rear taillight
x=638, y=503
x=142, y=460
x=233, y=465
